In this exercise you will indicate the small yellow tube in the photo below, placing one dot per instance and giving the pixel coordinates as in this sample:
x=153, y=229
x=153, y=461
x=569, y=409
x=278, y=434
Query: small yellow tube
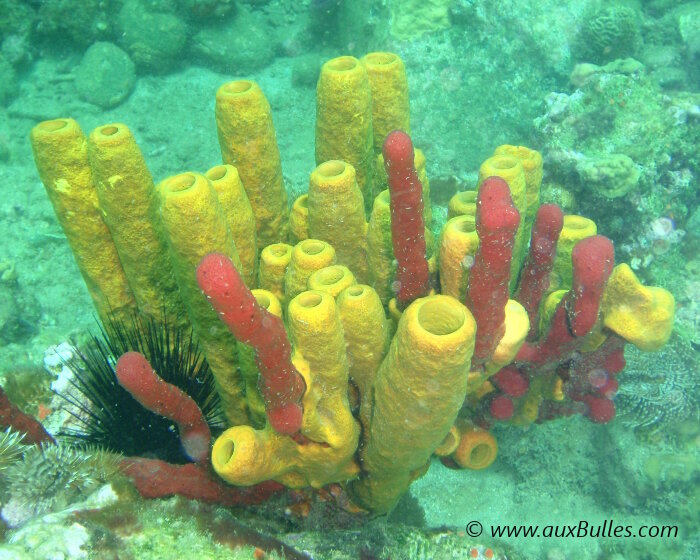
x=380, y=251
x=531, y=160
x=458, y=245
x=477, y=448
x=337, y=214
x=366, y=337
x=462, y=203
x=247, y=140
x=239, y=217
x=332, y=279
x=274, y=260
x=299, y=219
x=195, y=225
x=308, y=256
x=575, y=229
x=344, y=120
x=60, y=153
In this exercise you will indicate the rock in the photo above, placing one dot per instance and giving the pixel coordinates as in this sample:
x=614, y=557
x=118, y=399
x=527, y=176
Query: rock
x=105, y=76
x=153, y=40
x=240, y=46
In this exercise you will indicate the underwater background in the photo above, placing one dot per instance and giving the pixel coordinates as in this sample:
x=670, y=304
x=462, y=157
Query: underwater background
x=608, y=92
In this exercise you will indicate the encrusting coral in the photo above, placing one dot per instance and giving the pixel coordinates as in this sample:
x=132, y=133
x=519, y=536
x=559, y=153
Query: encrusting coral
x=354, y=386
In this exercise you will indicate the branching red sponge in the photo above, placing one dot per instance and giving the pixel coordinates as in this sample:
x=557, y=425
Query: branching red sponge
x=136, y=375
x=497, y=222
x=407, y=226
x=534, y=279
x=280, y=383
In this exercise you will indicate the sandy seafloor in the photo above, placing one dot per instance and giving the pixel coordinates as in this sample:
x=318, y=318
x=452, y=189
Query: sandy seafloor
x=558, y=473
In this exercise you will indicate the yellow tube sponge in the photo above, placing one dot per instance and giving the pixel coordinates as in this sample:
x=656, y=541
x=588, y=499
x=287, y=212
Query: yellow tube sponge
x=129, y=204
x=531, y=160
x=332, y=279
x=308, y=256
x=639, y=314
x=274, y=261
x=337, y=214
x=195, y=225
x=417, y=393
x=366, y=334
x=458, y=245
x=389, y=85
x=380, y=251
x=239, y=217
x=344, y=120
x=248, y=142
x=462, y=203
x=477, y=449
x=245, y=456
x=60, y=153
x=575, y=229
x=299, y=219
x=511, y=171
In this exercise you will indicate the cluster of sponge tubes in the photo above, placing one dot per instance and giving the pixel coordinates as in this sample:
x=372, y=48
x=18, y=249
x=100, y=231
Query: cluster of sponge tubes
x=350, y=337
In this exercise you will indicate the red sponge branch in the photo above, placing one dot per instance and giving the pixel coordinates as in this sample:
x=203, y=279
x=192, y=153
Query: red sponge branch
x=281, y=385
x=407, y=226
x=534, y=279
x=12, y=417
x=497, y=222
x=136, y=375
x=593, y=259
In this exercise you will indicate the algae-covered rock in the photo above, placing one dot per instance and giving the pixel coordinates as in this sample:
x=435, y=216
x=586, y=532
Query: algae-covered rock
x=153, y=40
x=612, y=175
x=238, y=46
x=105, y=76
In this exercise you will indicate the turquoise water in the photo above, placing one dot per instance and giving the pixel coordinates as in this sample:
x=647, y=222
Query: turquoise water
x=606, y=92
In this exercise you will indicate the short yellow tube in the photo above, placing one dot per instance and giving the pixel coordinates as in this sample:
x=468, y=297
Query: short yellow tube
x=299, y=219
x=458, y=245
x=308, y=256
x=332, y=279
x=274, y=260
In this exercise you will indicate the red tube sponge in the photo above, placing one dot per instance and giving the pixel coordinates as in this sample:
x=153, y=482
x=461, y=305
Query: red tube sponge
x=497, y=222
x=136, y=375
x=407, y=227
x=534, y=279
x=281, y=385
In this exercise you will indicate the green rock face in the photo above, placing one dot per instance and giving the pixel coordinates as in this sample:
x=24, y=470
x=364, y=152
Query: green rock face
x=105, y=76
